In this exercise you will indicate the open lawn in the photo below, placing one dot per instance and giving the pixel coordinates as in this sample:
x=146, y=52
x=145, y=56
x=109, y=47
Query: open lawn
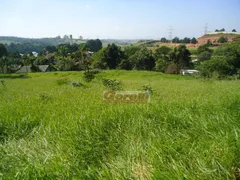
x=52, y=130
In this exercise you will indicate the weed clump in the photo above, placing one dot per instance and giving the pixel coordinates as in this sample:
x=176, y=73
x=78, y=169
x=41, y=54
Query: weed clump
x=88, y=76
x=62, y=81
x=3, y=83
x=77, y=84
x=44, y=97
x=112, y=84
x=147, y=88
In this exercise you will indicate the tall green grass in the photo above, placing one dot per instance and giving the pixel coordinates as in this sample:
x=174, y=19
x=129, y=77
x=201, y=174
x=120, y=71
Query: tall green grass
x=190, y=130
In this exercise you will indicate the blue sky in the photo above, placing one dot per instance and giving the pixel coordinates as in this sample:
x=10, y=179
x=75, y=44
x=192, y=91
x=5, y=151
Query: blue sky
x=119, y=19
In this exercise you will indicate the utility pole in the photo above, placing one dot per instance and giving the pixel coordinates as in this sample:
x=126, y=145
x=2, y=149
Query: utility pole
x=170, y=33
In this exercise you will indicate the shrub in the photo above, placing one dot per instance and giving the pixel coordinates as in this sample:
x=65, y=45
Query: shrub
x=62, y=81
x=77, y=84
x=114, y=84
x=215, y=67
x=88, y=76
x=222, y=39
x=126, y=64
x=171, y=69
x=161, y=65
x=147, y=88
x=3, y=83
x=203, y=56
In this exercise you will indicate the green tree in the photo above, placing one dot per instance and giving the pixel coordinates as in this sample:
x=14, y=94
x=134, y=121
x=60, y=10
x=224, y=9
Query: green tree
x=62, y=51
x=186, y=40
x=126, y=64
x=161, y=65
x=4, y=64
x=15, y=58
x=203, y=56
x=51, y=49
x=98, y=59
x=93, y=45
x=163, y=40
x=181, y=57
x=65, y=64
x=83, y=61
x=204, y=48
x=143, y=60
x=112, y=55
x=176, y=40
x=162, y=53
x=204, y=52
x=48, y=59
x=231, y=53
x=234, y=30
x=82, y=46
x=226, y=61
x=215, y=65
x=194, y=40
x=3, y=58
x=3, y=50
x=130, y=51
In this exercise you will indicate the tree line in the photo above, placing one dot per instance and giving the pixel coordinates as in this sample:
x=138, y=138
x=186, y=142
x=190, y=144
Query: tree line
x=26, y=45
x=223, y=30
x=185, y=40
x=66, y=57
x=224, y=61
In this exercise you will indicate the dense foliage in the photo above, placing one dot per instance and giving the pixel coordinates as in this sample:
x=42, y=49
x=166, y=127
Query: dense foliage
x=222, y=62
x=93, y=45
x=27, y=45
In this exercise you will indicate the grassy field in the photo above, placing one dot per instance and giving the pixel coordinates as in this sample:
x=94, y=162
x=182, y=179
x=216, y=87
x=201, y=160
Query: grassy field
x=51, y=130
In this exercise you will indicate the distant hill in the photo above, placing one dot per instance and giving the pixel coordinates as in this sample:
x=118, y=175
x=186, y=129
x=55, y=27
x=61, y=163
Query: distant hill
x=214, y=37
x=43, y=41
x=56, y=40
x=26, y=45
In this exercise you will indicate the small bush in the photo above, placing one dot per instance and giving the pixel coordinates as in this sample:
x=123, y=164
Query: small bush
x=62, y=81
x=112, y=84
x=147, y=88
x=171, y=69
x=88, y=76
x=3, y=83
x=77, y=84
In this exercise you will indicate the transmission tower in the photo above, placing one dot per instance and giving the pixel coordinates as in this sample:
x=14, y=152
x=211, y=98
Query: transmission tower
x=170, y=33
x=206, y=28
